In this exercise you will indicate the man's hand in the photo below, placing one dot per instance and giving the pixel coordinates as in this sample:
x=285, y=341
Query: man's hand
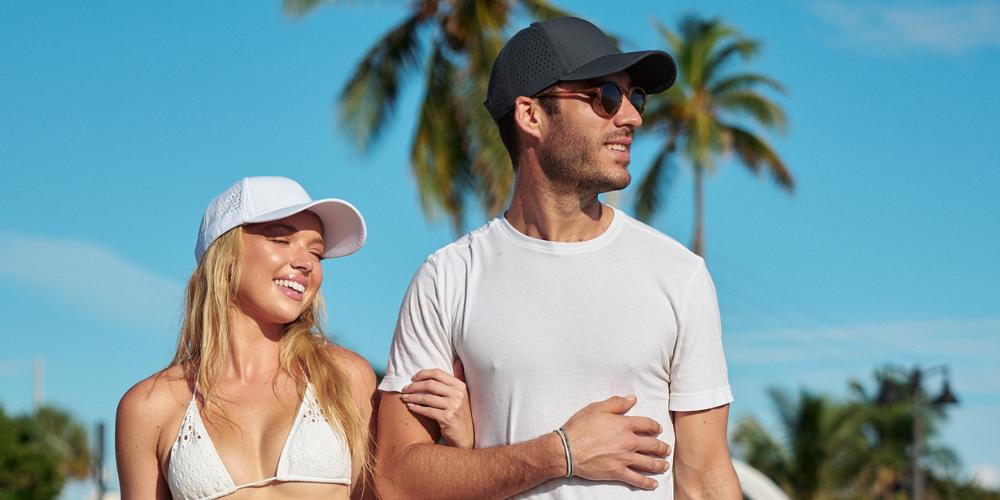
x=607, y=445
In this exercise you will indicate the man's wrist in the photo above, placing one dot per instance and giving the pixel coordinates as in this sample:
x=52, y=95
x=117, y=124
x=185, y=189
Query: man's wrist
x=553, y=455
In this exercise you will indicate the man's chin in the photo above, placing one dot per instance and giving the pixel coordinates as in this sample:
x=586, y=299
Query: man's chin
x=618, y=182
x=607, y=185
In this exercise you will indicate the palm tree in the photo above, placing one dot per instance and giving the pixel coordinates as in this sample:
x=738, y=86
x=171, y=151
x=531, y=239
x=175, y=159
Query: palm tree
x=39, y=451
x=702, y=115
x=818, y=439
x=68, y=438
x=884, y=467
x=455, y=152
x=857, y=448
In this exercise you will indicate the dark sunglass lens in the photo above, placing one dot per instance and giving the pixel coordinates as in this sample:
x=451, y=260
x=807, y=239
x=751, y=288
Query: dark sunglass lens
x=638, y=99
x=611, y=98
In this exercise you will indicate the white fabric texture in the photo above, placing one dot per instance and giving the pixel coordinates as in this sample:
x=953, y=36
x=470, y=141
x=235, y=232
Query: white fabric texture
x=313, y=453
x=545, y=328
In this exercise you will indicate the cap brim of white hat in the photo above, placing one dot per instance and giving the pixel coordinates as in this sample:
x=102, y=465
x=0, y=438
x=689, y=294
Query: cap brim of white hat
x=344, y=230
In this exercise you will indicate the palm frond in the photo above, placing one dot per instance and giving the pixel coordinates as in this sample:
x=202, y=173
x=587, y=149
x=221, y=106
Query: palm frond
x=370, y=94
x=746, y=48
x=485, y=22
x=706, y=138
x=755, y=105
x=439, y=153
x=490, y=162
x=755, y=153
x=676, y=45
x=299, y=8
x=657, y=179
x=762, y=451
x=664, y=110
x=701, y=37
x=743, y=81
x=542, y=9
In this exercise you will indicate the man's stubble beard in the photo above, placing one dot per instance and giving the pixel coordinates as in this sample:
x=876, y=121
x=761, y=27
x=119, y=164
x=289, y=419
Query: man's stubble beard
x=571, y=163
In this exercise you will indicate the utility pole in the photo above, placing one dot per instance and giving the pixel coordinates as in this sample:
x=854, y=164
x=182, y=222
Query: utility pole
x=98, y=467
x=888, y=395
x=917, y=407
x=38, y=383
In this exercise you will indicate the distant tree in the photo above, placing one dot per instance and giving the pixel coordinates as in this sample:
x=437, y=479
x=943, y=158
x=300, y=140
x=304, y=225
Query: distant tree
x=69, y=439
x=884, y=465
x=455, y=152
x=856, y=448
x=710, y=112
x=806, y=460
x=29, y=466
x=38, y=452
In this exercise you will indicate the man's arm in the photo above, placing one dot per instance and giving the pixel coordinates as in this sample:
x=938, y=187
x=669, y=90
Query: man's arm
x=604, y=444
x=702, y=466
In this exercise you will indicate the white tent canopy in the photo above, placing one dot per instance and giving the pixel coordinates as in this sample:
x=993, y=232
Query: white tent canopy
x=755, y=485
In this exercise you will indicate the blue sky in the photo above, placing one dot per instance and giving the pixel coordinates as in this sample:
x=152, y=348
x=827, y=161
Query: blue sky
x=119, y=122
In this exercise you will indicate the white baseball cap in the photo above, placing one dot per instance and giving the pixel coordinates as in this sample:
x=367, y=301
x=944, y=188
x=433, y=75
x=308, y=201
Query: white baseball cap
x=264, y=199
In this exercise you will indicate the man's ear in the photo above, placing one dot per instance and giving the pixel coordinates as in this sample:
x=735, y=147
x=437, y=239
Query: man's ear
x=528, y=116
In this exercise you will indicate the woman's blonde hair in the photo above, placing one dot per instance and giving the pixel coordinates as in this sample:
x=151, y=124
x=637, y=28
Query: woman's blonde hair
x=203, y=347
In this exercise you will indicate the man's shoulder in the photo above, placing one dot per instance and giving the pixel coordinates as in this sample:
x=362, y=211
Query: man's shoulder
x=656, y=243
x=457, y=252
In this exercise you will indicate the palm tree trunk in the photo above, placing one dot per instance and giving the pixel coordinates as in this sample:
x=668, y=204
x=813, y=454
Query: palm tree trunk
x=698, y=246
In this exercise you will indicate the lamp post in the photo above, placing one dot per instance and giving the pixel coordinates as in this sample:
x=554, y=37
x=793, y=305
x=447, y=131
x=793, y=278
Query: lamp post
x=888, y=393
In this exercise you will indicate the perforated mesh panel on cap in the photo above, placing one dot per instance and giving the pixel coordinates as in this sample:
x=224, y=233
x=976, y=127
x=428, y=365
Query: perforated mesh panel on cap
x=223, y=213
x=230, y=201
x=525, y=66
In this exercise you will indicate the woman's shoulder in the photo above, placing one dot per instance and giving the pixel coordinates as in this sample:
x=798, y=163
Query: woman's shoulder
x=158, y=395
x=351, y=362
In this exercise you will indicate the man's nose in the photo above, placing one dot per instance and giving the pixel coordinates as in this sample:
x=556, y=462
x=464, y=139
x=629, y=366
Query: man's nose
x=628, y=115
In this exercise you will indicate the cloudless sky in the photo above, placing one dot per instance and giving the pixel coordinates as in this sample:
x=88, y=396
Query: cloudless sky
x=120, y=121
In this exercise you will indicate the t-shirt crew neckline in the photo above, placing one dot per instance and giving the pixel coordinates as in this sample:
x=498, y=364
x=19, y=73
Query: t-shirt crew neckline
x=564, y=247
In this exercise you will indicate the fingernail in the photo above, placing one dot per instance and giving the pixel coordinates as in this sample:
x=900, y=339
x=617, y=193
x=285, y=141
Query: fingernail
x=630, y=397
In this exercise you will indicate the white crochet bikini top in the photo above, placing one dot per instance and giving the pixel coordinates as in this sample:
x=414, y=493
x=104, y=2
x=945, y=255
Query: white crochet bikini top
x=313, y=453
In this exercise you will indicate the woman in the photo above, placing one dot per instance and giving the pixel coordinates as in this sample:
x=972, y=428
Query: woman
x=256, y=402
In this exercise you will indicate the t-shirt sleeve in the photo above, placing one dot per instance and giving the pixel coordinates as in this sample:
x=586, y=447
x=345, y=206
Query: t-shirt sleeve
x=698, y=376
x=423, y=332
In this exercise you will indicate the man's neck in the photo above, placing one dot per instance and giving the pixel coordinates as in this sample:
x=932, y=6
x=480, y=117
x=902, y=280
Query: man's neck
x=548, y=213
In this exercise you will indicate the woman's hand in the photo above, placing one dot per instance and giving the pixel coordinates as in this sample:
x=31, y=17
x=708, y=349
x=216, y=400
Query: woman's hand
x=438, y=395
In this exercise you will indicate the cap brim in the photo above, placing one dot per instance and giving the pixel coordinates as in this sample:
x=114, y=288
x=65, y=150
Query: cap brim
x=653, y=70
x=344, y=230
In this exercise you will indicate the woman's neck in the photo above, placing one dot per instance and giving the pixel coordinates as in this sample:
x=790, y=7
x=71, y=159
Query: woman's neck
x=253, y=349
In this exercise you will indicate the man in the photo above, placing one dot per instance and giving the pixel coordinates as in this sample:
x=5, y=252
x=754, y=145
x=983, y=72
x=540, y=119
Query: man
x=561, y=302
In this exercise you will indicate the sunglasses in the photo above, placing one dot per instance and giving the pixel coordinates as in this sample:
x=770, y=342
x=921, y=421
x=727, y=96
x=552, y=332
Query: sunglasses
x=607, y=97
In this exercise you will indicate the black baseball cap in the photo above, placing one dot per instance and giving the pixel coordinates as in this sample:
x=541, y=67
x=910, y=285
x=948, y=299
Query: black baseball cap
x=568, y=49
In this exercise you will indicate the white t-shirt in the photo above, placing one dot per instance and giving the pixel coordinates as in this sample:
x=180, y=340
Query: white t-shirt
x=544, y=328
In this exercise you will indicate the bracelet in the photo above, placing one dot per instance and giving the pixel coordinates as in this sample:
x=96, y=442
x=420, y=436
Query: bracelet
x=569, y=454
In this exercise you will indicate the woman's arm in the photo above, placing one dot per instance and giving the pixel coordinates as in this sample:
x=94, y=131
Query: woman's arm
x=137, y=429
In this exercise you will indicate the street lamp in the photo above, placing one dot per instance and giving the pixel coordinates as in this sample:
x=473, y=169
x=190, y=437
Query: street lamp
x=889, y=392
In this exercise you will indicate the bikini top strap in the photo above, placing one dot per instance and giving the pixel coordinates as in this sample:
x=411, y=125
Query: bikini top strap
x=194, y=393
